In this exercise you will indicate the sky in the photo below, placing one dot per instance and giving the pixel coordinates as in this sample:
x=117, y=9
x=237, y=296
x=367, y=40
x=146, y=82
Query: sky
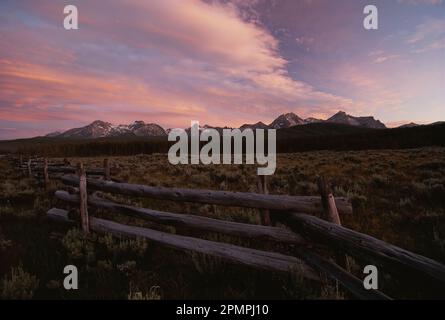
x=220, y=62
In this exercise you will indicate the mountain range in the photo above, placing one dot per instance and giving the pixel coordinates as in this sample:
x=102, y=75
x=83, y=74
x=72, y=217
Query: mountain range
x=100, y=129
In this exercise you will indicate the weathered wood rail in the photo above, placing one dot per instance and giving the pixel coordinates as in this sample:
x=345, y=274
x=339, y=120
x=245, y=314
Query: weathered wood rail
x=41, y=169
x=63, y=169
x=250, y=257
x=304, y=235
x=364, y=246
x=309, y=204
x=189, y=221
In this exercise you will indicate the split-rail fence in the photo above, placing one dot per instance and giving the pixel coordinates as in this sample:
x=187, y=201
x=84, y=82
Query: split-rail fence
x=302, y=232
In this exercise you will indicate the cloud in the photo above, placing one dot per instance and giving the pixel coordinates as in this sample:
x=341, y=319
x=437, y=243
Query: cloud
x=429, y=35
x=168, y=61
x=430, y=29
x=380, y=58
x=222, y=62
x=420, y=2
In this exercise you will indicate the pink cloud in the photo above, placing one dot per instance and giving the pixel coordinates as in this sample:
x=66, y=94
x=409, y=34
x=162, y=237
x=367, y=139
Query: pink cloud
x=178, y=60
x=419, y=2
x=429, y=31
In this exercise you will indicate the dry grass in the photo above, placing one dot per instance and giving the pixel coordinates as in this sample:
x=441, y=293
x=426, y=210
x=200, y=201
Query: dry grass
x=398, y=196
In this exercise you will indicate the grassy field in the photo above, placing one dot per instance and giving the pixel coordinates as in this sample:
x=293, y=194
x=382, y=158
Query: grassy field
x=398, y=196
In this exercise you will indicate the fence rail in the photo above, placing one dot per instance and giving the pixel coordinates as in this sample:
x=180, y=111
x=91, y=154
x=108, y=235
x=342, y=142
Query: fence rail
x=250, y=257
x=364, y=246
x=309, y=204
x=189, y=221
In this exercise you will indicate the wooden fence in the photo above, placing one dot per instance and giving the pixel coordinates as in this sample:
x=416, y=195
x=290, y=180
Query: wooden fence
x=304, y=233
x=43, y=170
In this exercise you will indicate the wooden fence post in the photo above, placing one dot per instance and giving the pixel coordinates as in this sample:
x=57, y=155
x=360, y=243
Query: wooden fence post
x=29, y=168
x=262, y=188
x=328, y=201
x=45, y=173
x=330, y=213
x=107, y=169
x=83, y=206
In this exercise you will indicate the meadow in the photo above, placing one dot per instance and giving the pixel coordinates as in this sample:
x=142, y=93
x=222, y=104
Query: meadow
x=397, y=195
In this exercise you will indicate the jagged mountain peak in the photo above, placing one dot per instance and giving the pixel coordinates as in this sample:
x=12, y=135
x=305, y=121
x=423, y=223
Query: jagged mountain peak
x=101, y=129
x=99, y=122
x=286, y=120
x=342, y=117
x=137, y=123
x=409, y=125
x=258, y=125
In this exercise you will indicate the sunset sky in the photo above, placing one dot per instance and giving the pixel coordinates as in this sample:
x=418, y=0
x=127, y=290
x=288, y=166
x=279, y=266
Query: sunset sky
x=219, y=62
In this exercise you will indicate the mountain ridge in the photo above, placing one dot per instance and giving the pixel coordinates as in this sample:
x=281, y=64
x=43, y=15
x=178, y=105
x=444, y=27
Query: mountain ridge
x=100, y=129
x=342, y=117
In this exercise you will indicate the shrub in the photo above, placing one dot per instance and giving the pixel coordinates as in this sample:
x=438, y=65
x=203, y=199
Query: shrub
x=19, y=285
x=405, y=202
x=79, y=245
x=5, y=244
x=152, y=294
x=125, y=247
x=437, y=193
x=378, y=181
x=419, y=188
x=127, y=267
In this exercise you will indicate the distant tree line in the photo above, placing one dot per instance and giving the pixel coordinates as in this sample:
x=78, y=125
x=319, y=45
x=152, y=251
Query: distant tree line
x=96, y=147
x=398, y=138
x=296, y=139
